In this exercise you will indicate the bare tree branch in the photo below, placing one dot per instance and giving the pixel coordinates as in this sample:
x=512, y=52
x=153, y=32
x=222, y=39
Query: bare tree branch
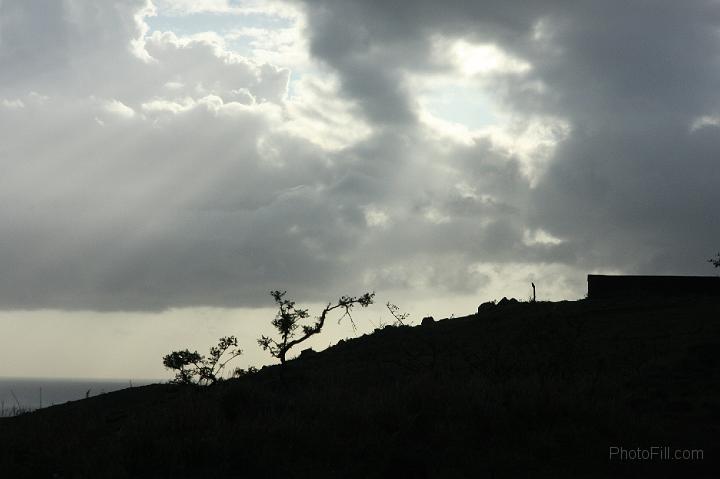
x=288, y=317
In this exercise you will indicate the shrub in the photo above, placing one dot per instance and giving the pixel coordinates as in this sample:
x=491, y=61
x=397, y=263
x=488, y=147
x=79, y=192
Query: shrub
x=194, y=368
x=715, y=261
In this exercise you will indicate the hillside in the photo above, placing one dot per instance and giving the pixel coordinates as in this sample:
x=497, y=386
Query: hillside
x=521, y=390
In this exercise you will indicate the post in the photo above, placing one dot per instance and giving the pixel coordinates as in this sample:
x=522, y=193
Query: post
x=533, y=286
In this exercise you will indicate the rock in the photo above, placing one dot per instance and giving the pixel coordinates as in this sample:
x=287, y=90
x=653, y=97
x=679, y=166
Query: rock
x=427, y=320
x=307, y=352
x=486, y=306
x=507, y=302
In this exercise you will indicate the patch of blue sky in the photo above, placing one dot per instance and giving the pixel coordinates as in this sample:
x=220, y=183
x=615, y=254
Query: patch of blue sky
x=467, y=106
x=220, y=23
x=225, y=23
x=292, y=84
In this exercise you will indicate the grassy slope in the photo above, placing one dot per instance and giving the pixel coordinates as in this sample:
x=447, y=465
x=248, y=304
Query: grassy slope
x=524, y=390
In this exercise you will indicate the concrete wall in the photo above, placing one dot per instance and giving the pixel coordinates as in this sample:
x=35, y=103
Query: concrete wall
x=603, y=287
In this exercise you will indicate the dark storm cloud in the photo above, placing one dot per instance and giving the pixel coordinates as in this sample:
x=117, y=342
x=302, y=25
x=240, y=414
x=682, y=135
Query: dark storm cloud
x=632, y=187
x=372, y=43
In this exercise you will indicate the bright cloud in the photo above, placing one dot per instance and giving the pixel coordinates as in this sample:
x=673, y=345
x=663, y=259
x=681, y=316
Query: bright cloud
x=484, y=59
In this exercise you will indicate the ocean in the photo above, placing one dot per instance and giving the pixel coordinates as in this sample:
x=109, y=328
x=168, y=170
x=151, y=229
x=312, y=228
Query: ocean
x=35, y=393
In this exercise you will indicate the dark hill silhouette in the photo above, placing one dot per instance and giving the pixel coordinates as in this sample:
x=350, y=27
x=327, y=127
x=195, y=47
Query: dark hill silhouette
x=633, y=286
x=527, y=389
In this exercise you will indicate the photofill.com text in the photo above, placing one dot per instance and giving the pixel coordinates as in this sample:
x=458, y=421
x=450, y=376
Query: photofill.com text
x=655, y=453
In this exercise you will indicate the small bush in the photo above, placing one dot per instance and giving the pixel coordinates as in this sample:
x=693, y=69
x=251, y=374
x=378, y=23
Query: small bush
x=715, y=261
x=194, y=368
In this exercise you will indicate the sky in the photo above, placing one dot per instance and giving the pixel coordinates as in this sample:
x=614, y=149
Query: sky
x=167, y=163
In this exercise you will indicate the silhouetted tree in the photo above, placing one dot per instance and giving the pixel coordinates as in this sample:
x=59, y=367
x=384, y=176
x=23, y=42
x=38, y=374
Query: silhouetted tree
x=715, y=261
x=288, y=318
x=399, y=316
x=194, y=368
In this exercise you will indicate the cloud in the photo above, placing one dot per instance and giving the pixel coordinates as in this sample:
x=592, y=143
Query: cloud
x=629, y=181
x=13, y=104
x=146, y=169
x=49, y=45
x=159, y=209
x=118, y=108
x=234, y=7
